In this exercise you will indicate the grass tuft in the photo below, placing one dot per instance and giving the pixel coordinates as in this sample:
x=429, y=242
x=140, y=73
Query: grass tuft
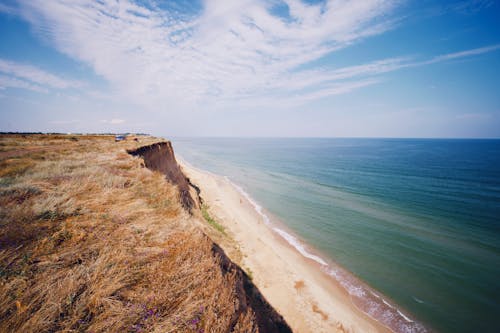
x=211, y=220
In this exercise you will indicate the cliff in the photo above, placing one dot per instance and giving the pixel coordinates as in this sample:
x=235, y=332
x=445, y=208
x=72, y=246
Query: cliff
x=91, y=241
x=160, y=157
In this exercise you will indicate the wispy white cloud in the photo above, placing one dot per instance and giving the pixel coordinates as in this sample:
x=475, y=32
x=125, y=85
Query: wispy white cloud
x=463, y=7
x=11, y=82
x=394, y=64
x=17, y=75
x=224, y=51
x=8, y=9
x=471, y=6
x=114, y=121
x=473, y=116
x=337, y=89
x=320, y=77
x=466, y=53
x=363, y=74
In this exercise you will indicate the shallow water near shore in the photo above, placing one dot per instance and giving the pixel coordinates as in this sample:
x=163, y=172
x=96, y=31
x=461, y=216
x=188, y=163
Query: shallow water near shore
x=417, y=220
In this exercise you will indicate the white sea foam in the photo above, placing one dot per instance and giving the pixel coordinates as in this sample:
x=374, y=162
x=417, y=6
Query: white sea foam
x=353, y=289
x=388, y=304
x=299, y=246
x=383, y=311
x=405, y=317
x=418, y=300
x=256, y=206
x=289, y=238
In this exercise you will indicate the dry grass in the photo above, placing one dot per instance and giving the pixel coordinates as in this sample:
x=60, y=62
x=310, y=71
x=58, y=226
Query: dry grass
x=14, y=166
x=90, y=241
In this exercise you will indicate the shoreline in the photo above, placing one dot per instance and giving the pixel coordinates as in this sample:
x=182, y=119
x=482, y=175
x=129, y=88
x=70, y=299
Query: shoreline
x=300, y=287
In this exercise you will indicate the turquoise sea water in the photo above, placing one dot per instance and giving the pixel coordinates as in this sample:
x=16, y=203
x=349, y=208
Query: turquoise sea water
x=417, y=220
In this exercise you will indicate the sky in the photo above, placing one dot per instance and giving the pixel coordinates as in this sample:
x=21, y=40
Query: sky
x=276, y=68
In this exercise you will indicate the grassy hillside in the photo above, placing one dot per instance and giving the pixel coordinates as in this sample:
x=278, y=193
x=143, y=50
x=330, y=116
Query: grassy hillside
x=92, y=241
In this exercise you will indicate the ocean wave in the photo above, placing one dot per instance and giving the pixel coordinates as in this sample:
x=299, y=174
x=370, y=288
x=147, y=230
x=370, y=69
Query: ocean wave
x=256, y=206
x=418, y=300
x=374, y=304
x=299, y=246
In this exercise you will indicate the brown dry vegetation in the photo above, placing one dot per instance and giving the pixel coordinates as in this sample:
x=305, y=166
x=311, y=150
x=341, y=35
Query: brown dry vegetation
x=91, y=241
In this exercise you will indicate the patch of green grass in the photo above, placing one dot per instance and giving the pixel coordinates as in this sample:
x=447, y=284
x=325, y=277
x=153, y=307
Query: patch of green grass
x=211, y=220
x=249, y=273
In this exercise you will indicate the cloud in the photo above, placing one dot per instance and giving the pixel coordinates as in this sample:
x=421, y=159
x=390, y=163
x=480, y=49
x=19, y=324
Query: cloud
x=17, y=75
x=462, y=7
x=466, y=53
x=473, y=116
x=10, y=82
x=337, y=89
x=328, y=80
x=471, y=6
x=113, y=121
x=223, y=54
x=8, y=9
x=220, y=52
x=394, y=64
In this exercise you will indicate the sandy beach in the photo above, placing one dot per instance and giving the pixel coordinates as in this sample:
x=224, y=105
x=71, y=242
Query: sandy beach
x=296, y=287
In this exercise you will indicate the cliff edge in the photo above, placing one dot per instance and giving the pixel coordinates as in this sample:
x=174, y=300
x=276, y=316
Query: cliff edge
x=160, y=157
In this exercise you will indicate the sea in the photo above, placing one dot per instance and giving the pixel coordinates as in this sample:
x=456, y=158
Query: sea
x=409, y=227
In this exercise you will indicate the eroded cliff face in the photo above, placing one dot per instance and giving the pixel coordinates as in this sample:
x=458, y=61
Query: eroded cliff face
x=249, y=310
x=160, y=157
x=249, y=300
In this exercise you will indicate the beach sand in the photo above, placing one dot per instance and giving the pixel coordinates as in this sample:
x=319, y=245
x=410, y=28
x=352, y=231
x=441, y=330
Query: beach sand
x=295, y=286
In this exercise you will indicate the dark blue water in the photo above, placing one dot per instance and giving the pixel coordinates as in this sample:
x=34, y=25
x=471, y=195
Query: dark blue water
x=417, y=220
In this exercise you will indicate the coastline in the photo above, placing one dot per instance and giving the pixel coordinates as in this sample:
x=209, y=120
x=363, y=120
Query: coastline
x=293, y=281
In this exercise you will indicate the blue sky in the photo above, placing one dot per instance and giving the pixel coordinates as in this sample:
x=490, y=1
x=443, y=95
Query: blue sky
x=339, y=68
